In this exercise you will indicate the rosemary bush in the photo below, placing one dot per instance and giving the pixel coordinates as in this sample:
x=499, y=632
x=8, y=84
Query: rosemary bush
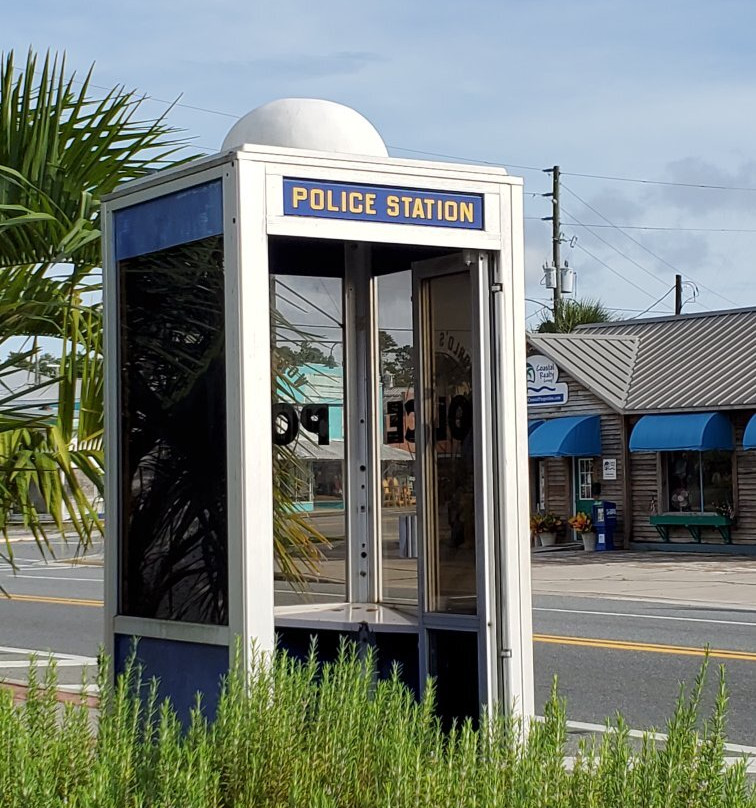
x=299, y=734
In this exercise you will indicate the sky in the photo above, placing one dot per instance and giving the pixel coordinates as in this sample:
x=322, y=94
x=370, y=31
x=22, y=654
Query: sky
x=639, y=103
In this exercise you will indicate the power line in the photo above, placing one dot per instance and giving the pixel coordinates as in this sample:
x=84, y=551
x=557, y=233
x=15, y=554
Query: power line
x=661, y=182
x=614, y=271
x=145, y=97
x=635, y=311
x=665, y=229
x=465, y=159
x=309, y=303
x=536, y=313
x=653, y=305
x=643, y=246
x=613, y=247
x=607, y=177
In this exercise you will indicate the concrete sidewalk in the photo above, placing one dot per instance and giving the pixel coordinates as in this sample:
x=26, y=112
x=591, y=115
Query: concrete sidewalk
x=695, y=578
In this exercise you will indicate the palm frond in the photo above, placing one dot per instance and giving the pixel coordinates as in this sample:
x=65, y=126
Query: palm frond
x=60, y=152
x=569, y=314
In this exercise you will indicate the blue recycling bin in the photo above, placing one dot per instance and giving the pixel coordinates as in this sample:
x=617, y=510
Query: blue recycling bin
x=604, y=518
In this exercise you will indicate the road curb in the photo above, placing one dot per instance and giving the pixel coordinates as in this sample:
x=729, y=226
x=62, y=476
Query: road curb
x=20, y=691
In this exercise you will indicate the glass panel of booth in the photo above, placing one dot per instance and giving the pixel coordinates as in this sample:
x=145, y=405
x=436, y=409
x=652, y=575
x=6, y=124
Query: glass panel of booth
x=307, y=385
x=172, y=399
x=449, y=459
x=316, y=532
x=398, y=522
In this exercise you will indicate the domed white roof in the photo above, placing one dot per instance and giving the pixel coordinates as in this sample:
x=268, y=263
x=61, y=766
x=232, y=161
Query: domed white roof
x=307, y=123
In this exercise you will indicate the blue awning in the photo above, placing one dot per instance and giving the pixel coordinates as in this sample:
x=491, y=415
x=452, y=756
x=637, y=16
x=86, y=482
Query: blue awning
x=749, y=436
x=534, y=425
x=571, y=436
x=700, y=431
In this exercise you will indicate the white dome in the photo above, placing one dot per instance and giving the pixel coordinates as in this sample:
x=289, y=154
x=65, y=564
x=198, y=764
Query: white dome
x=307, y=123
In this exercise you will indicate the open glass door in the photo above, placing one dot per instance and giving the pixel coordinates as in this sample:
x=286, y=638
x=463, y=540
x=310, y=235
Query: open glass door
x=444, y=292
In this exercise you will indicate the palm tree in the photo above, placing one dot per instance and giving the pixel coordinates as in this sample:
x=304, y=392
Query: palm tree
x=569, y=314
x=60, y=152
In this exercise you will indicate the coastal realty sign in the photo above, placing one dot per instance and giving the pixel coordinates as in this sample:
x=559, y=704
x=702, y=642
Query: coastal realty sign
x=380, y=203
x=543, y=387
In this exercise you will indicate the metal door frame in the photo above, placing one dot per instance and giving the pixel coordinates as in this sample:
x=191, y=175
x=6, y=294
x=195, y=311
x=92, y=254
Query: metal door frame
x=476, y=266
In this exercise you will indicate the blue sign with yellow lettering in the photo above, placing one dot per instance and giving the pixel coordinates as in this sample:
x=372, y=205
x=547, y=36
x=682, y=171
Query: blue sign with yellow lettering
x=380, y=203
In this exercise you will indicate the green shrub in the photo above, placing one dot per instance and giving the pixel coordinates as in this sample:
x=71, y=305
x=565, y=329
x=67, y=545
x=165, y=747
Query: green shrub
x=292, y=734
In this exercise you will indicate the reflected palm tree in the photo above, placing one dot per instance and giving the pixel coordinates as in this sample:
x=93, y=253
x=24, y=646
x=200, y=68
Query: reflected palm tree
x=173, y=404
x=173, y=423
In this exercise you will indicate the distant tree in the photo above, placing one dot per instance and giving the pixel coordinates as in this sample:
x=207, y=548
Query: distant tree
x=46, y=364
x=569, y=314
x=397, y=360
x=307, y=354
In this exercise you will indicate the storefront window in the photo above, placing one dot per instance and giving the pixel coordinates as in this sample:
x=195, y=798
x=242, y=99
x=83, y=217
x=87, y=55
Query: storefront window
x=699, y=481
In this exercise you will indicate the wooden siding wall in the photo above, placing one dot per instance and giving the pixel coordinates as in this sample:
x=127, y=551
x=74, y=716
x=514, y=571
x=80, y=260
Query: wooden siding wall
x=558, y=493
x=646, y=477
x=645, y=482
x=745, y=483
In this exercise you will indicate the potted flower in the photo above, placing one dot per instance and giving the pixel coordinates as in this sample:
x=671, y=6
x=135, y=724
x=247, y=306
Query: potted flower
x=545, y=526
x=726, y=509
x=581, y=523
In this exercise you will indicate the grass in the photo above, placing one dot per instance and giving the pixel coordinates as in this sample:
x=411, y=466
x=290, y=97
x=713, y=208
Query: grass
x=299, y=734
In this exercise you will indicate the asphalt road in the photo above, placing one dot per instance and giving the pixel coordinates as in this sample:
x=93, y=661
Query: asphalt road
x=630, y=656
x=608, y=655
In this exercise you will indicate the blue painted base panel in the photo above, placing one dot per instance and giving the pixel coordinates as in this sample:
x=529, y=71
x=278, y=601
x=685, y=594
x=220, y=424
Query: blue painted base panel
x=390, y=650
x=182, y=669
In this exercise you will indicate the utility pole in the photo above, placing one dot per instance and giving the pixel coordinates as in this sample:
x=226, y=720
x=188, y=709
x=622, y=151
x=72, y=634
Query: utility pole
x=678, y=294
x=556, y=236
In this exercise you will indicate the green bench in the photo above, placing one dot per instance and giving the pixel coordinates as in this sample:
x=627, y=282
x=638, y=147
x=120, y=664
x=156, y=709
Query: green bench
x=693, y=522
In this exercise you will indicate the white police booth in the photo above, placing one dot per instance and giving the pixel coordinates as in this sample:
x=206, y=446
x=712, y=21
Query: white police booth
x=222, y=276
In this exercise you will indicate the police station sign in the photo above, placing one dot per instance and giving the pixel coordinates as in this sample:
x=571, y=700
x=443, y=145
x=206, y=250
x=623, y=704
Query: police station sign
x=380, y=203
x=543, y=388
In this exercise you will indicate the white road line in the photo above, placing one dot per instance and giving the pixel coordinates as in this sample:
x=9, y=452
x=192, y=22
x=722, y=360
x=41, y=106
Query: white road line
x=7, y=649
x=750, y=767
x=58, y=578
x=45, y=663
x=752, y=624
x=584, y=726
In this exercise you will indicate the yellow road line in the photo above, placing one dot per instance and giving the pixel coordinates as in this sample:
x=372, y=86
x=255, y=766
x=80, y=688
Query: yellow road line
x=553, y=639
x=59, y=601
x=653, y=648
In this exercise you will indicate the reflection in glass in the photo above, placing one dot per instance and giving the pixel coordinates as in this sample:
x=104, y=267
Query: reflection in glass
x=173, y=439
x=308, y=439
x=451, y=456
x=399, y=539
x=699, y=481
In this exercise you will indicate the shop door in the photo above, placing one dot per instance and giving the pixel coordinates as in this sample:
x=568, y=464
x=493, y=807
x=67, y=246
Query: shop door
x=583, y=477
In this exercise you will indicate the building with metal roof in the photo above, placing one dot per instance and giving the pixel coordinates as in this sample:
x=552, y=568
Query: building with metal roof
x=692, y=362
x=676, y=398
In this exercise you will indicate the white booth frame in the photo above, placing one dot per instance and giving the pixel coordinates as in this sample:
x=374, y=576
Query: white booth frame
x=252, y=211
